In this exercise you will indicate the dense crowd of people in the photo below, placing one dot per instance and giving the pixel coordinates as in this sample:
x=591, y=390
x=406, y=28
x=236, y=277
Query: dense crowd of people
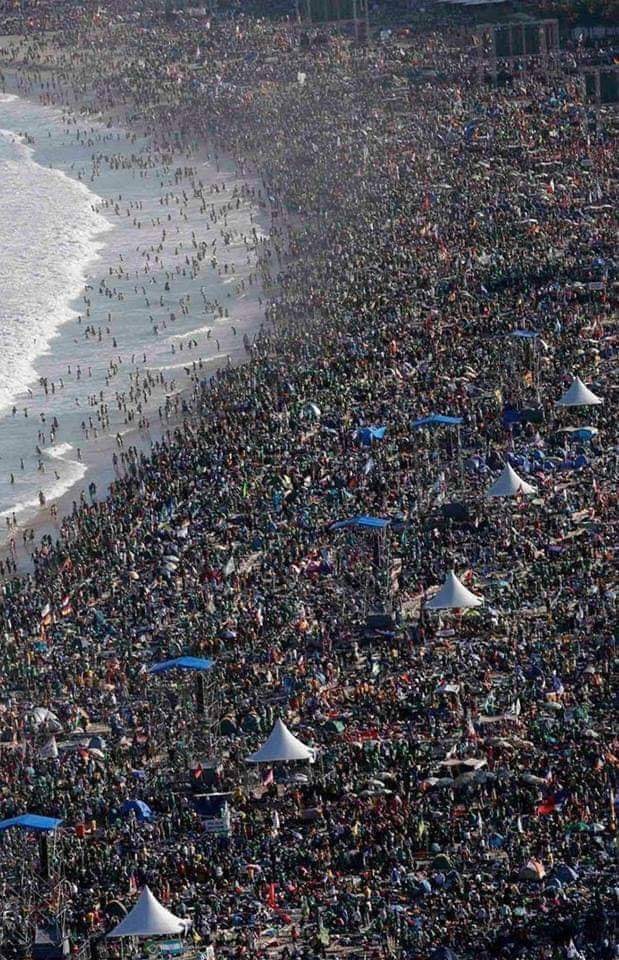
x=437, y=246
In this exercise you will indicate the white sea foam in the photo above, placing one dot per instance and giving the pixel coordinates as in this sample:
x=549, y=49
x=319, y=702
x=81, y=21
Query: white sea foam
x=189, y=334
x=43, y=262
x=188, y=363
x=69, y=471
x=51, y=235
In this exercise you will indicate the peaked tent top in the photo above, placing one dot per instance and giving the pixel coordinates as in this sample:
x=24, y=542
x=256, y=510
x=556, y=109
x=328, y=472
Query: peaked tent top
x=453, y=595
x=509, y=484
x=149, y=918
x=578, y=395
x=282, y=746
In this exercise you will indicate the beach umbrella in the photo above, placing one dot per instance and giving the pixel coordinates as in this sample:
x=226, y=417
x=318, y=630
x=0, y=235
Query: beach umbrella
x=565, y=873
x=532, y=870
x=534, y=781
x=250, y=723
x=142, y=810
x=453, y=595
x=228, y=726
x=509, y=484
x=312, y=410
x=578, y=395
x=439, y=782
x=463, y=778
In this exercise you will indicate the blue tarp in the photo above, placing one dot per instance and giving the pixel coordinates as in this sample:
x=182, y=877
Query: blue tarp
x=580, y=433
x=437, y=419
x=367, y=434
x=372, y=523
x=182, y=663
x=510, y=415
x=31, y=821
x=142, y=810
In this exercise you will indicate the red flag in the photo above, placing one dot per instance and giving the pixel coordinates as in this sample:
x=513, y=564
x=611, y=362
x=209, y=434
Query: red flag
x=546, y=807
x=555, y=802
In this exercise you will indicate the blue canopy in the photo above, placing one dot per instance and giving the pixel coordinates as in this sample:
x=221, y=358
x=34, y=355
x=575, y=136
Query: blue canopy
x=580, y=433
x=525, y=334
x=142, y=810
x=371, y=523
x=367, y=434
x=437, y=419
x=31, y=821
x=182, y=663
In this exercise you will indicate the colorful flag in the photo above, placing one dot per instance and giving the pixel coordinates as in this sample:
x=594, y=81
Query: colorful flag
x=553, y=803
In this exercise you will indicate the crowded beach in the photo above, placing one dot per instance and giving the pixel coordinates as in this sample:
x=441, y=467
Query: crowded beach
x=329, y=670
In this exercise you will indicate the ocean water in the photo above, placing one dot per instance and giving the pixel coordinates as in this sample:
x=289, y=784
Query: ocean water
x=100, y=288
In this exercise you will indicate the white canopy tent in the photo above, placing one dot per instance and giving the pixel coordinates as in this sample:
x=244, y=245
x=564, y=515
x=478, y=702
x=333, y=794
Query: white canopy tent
x=281, y=747
x=453, y=595
x=509, y=484
x=149, y=918
x=41, y=716
x=578, y=395
x=49, y=750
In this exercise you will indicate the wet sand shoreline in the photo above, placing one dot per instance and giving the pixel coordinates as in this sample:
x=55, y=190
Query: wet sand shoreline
x=98, y=454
